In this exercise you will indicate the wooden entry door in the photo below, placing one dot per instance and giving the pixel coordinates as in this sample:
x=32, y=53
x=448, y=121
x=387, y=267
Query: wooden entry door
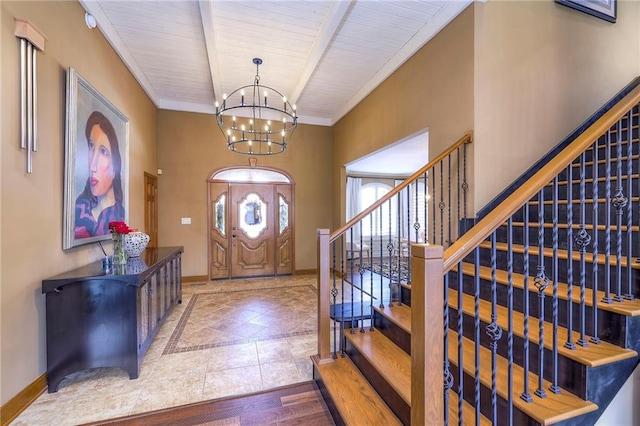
x=151, y=208
x=252, y=229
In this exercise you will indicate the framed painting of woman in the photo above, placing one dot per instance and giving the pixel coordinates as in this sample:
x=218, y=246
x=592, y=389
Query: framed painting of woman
x=96, y=164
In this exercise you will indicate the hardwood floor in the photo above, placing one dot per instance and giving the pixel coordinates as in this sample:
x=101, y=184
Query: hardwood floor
x=299, y=404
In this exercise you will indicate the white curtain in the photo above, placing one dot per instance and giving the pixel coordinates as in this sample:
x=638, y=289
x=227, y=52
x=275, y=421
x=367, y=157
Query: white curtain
x=354, y=185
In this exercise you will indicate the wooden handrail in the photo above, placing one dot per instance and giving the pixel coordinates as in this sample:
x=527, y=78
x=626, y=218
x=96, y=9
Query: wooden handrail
x=467, y=138
x=466, y=243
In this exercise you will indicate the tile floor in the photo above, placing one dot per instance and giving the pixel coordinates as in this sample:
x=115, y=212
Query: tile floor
x=227, y=338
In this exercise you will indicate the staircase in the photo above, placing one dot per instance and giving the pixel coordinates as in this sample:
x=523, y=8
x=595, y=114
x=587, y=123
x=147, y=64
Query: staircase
x=537, y=310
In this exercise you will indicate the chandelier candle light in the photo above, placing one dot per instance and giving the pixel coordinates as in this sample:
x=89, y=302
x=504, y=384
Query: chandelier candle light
x=255, y=127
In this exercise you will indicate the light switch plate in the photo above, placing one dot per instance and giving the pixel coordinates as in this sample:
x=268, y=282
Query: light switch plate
x=185, y=221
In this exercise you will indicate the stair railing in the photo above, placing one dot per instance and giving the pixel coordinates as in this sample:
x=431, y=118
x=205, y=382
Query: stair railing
x=563, y=244
x=366, y=261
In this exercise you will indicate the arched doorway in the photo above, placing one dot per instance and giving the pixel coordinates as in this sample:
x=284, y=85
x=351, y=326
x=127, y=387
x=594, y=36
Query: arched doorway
x=250, y=218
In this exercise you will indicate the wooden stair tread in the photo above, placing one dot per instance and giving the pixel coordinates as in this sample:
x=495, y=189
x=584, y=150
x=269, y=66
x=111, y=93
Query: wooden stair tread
x=563, y=254
x=592, y=356
x=398, y=314
x=590, y=180
x=393, y=364
x=468, y=412
x=552, y=409
x=614, y=159
x=628, y=307
x=354, y=398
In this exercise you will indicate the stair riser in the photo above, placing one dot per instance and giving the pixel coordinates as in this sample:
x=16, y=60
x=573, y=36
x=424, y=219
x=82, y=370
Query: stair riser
x=612, y=327
x=519, y=418
x=396, y=334
x=572, y=375
x=563, y=192
x=563, y=239
x=399, y=407
x=576, y=208
x=602, y=167
x=518, y=267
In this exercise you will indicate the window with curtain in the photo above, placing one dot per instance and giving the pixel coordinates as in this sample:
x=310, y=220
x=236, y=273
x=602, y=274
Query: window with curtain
x=383, y=221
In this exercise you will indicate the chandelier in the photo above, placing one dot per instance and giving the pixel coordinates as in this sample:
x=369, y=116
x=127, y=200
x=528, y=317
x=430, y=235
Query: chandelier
x=253, y=125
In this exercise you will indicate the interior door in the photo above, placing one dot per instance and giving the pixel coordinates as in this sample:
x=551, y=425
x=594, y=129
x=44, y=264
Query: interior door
x=253, y=229
x=151, y=208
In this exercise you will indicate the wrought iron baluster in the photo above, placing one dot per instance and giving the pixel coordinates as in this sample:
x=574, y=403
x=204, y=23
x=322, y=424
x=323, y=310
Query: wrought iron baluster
x=569, y=344
x=342, y=304
x=510, y=319
x=442, y=205
x=629, y=294
x=371, y=327
x=607, y=229
x=416, y=224
x=426, y=208
x=541, y=282
x=494, y=331
x=465, y=186
x=619, y=202
x=594, y=338
x=449, y=234
x=476, y=331
x=351, y=301
x=525, y=395
x=391, y=248
x=582, y=240
x=433, y=198
x=381, y=258
x=361, y=271
x=459, y=224
x=460, y=331
x=334, y=294
x=448, y=377
x=554, y=312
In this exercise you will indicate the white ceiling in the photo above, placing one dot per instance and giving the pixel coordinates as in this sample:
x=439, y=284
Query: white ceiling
x=325, y=56
x=400, y=159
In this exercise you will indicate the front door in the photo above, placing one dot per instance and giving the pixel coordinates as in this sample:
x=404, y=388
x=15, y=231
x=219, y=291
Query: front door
x=251, y=230
x=151, y=208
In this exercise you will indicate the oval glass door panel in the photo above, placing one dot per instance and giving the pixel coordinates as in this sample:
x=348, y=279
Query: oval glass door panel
x=252, y=215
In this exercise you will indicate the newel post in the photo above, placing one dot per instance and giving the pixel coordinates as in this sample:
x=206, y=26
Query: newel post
x=324, y=292
x=427, y=335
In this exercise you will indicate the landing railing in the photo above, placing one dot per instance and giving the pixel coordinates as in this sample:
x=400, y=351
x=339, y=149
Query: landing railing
x=540, y=269
x=367, y=259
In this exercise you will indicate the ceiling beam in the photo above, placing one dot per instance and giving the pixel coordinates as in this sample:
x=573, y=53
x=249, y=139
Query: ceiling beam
x=330, y=25
x=206, y=14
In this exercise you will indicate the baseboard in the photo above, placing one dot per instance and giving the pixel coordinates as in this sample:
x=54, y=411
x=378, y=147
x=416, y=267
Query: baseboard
x=306, y=271
x=195, y=278
x=20, y=402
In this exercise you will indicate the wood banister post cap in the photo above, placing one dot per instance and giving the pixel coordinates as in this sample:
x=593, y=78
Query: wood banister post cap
x=427, y=251
x=323, y=231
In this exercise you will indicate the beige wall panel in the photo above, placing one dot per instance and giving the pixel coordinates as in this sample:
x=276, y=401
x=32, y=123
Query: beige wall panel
x=32, y=204
x=191, y=146
x=433, y=90
x=541, y=69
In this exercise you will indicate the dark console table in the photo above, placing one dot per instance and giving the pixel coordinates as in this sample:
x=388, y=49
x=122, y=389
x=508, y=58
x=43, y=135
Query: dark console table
x=98, y=318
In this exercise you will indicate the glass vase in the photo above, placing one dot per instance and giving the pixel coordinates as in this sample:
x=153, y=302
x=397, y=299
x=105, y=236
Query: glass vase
x=119, y=256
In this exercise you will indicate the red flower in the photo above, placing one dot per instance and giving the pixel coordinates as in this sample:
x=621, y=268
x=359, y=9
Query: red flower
x=119, y=228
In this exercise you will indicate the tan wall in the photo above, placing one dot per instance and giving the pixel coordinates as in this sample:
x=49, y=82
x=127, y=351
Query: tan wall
x=433, y=90
x=190, y=147
x=541, y=69
x=32, y=205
